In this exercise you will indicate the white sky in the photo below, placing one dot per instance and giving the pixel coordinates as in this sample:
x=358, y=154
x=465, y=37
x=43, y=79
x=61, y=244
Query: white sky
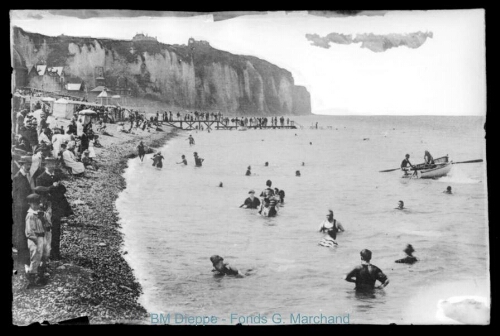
x=445, y=76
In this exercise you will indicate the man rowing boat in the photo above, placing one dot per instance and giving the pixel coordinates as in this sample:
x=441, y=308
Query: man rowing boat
x=405, y=163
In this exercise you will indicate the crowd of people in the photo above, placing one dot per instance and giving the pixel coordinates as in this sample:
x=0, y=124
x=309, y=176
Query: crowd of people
x=43, y=153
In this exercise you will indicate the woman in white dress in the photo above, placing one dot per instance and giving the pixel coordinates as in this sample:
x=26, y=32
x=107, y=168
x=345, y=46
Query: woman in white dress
x=91, y=149
x=70, y=161
x=57, y=140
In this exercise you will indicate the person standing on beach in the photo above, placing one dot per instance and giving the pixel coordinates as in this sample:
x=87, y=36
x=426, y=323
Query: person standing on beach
x=141, y=151
x=184, y=161
x=50, y=178
x=366, y=274
x=21, y=188
x=197, y=160
x=35, y=233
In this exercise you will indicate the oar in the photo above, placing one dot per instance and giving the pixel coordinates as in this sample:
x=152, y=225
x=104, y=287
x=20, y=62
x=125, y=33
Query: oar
x=471, y=161
x=389, y=170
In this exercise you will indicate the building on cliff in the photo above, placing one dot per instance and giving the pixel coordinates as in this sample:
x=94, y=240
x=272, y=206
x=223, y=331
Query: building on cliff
x=141, y=37
x=46, y=78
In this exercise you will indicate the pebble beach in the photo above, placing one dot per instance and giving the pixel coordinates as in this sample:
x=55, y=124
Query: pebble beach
x=92, y=279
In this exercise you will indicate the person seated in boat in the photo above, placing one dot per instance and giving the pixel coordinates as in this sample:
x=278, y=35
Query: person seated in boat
x=251, y=202
x=223, y=268
x=409, y=259
x=331, y=226
x=405, y=163
x=401, y=206
x=428, y=159
x=448, y=190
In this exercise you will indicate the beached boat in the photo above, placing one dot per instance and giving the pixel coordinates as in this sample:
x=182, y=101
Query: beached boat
x=440, y=168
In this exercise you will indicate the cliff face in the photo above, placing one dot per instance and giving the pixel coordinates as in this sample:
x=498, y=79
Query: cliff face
x=188, y=76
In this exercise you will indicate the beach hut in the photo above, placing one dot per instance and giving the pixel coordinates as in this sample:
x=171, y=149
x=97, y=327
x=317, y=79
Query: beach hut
x=62, y=109
x=104, y=97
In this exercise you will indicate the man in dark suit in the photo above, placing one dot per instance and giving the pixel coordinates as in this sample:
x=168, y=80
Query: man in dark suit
x=21, y=188
x=60, y=206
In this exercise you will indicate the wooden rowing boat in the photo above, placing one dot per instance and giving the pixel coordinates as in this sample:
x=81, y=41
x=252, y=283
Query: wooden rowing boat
x=440, y=168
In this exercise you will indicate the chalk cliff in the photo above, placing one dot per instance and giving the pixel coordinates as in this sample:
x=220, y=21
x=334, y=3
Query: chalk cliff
x=194, y=76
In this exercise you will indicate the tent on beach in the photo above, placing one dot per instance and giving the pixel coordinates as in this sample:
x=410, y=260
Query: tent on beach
x=62, y=109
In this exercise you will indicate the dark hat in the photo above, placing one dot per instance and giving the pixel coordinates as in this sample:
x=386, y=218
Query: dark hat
x=366, y=254
x=33, y=198
x=42, y=190
x=25, y=159
x=216, y=258
x=50, y=159
x=407, y=155
x=251, y=192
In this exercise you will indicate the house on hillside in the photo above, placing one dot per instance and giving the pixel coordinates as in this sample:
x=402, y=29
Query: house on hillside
x=75, y=86
x=46, y=78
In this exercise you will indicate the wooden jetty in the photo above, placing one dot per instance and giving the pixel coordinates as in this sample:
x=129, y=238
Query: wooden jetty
x=215, y=125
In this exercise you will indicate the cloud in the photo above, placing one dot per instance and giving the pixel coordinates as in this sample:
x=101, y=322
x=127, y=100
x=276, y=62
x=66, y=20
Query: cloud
x=375, y=43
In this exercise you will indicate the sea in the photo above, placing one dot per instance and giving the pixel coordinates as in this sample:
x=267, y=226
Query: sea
x=175, y=218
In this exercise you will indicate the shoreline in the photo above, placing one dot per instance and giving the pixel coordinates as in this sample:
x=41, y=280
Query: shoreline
x=93, y=279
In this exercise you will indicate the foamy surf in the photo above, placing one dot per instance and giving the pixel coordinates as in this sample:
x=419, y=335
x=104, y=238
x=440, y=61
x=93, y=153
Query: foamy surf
x=464, y=310
x=457, y=175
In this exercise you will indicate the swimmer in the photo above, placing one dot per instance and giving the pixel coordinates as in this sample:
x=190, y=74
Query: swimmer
x=183, y=160
x=248, y=173
x=269, y=183
x=303, y=163
x=297, y=173
x=251, y=202
x=191, y=140
x=331, y=226
x=223, y=268
x=409, y=259
x=310, y=143
x=157, y=160
x=266, y=164
x=401, y=205
x=366, y=274
x=448, y=190
x=220, y=185
x=198, y=160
